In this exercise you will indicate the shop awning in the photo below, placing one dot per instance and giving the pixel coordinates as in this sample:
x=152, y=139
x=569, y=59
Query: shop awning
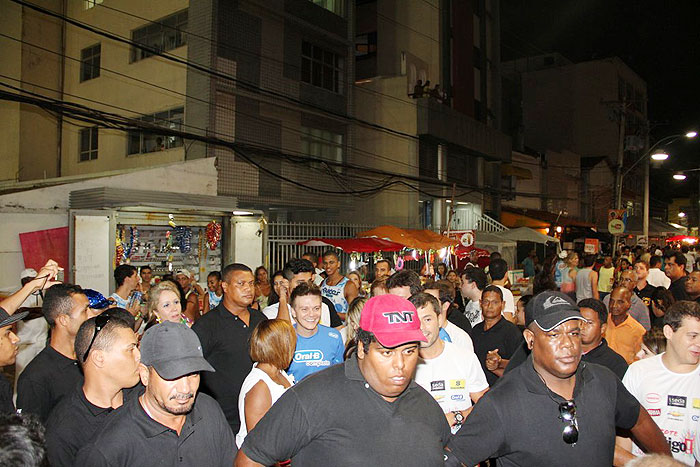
x=682, y=238
x=355, y=245
x=657, y=228
x=411, y=238
x=537, y=219
x=526, y=234
x=510, y=170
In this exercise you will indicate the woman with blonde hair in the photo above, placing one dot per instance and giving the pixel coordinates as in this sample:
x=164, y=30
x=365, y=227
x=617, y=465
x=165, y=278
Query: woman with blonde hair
x=164, y=305
x=568, y=283
x=272, y=346
x=352, y=321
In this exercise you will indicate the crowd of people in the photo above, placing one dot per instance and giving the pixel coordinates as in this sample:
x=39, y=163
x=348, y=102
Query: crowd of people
x=598, y=366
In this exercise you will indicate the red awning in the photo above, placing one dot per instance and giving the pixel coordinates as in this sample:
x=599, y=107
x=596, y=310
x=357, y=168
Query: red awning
x=682, y=238
x=355, y=245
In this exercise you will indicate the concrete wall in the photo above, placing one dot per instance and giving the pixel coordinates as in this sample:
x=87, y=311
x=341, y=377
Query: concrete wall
x=10, y=65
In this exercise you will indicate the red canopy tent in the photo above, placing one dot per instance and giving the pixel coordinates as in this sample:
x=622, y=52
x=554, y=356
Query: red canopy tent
x=682, y=238
x=355, y=245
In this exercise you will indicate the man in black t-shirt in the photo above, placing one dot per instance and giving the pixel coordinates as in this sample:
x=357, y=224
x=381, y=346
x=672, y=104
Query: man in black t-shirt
x=495, y=338
x=674, y=267
x=224, y=333
x=54, y=372
x=644, y=290
x=367, y=411
x=594, y=347
x=170, y=423
x=553, y=409
x=107, y=349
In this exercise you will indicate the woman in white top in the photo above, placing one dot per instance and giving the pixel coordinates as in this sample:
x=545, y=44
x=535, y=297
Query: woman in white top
x=272, y=346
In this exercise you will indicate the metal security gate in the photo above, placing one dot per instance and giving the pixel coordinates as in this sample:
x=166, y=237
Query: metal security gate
x=283, y=238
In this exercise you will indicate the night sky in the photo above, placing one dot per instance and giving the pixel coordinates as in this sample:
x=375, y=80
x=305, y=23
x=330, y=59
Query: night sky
x=659, y=40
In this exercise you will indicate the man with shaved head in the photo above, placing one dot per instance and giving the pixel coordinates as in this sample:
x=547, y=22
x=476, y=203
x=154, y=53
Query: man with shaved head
x=638, y=309
x=623, y=333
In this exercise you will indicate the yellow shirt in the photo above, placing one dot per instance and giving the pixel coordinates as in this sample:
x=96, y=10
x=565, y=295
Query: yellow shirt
x=625, y=339
x=605, y=279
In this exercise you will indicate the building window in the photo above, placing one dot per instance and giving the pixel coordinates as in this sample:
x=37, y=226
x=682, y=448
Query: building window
x=322, y=144
x=366, y=45
x=88, y=144
x=320, y=67
x=142, y=142
x=165, y=34
x=477, y=58
x=90, y=62
x=87, y=4
x=334, y=6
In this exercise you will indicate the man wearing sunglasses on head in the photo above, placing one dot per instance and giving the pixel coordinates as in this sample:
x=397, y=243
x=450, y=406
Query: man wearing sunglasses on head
x=553, y=409
x=107, y=349
x=170, y=423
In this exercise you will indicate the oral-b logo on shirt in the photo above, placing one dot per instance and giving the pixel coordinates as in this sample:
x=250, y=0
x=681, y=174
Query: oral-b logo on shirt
x=676, y=401
x=399, y=317
x=457, y=397
x=308, y=355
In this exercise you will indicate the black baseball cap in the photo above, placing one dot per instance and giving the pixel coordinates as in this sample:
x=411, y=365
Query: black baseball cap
x=7, y=319
x=549, y=309
x=174, y=350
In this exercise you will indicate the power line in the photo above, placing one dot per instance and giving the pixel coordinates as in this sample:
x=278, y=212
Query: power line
x=83, y=113
x=186, y=96
x=204, y=69
x=244, y=51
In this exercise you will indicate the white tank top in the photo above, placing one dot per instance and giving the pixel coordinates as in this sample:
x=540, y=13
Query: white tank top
x=276, y=390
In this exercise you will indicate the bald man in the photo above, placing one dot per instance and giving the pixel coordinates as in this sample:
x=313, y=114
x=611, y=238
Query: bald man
x=623, y=333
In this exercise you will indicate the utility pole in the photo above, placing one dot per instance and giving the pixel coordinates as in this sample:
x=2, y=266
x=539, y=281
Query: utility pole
x=620, y=162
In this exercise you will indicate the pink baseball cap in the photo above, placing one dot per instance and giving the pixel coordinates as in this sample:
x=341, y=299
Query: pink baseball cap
x=392, y=319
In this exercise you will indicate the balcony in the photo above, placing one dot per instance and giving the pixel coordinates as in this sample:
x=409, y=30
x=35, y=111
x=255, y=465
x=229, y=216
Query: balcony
x=446, y=124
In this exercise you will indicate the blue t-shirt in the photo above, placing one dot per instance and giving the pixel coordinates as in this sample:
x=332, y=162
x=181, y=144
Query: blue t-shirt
x=323, y=349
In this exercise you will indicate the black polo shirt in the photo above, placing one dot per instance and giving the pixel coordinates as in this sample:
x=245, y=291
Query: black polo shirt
x=334, y=417
x=74, y=422
x=133, y=439
x=6, y=404
x=677, y=289
x=44, y=382
x=518, y=423
x=504, y=336
x=224, y=339
x=607, y=357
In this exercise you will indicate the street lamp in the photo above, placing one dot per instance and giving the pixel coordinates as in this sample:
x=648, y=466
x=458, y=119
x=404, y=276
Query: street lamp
x=679, y=176
x=681, y=214
x=660, y=155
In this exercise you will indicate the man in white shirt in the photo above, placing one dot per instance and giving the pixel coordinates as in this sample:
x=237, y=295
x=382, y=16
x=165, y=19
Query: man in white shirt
x=656, y=276
x=445, y=296
x=667, y=384
x=497, y=270
x=473, y=283
x=454, y=379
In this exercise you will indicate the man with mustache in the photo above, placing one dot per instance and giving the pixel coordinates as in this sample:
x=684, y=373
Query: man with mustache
x=169, y=424
x=553, y=406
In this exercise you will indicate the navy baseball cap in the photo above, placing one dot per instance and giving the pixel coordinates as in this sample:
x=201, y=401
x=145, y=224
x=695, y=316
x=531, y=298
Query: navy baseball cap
x=549, y=309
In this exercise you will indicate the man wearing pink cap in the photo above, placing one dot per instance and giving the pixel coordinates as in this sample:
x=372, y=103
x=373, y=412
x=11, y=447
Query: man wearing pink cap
x=366, y=411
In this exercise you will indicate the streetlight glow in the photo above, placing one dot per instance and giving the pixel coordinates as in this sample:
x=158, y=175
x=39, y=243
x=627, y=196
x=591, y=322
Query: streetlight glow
x=679, y=176
x=660, y=155
x=691, y=134
x=681, y=214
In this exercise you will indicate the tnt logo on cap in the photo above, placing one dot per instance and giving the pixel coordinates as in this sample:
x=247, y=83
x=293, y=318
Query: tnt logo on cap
x=393, y=320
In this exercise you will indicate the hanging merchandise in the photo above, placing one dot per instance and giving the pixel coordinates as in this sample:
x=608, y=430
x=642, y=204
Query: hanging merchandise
x=119, y=250
x=213, y=234
x=183, y=237
x=169, y=241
